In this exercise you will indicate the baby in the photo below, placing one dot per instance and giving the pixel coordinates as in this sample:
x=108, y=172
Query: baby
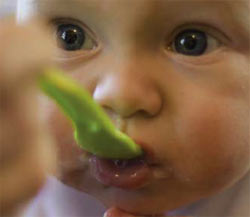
x=174, y=76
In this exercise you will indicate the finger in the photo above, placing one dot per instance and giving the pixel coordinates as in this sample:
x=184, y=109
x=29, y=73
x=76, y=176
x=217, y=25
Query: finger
x=24, y=50
x=23, y=53
x=115, y=212
x=26, y=149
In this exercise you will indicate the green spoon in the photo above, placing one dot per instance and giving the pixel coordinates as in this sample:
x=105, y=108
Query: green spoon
x=93, y=130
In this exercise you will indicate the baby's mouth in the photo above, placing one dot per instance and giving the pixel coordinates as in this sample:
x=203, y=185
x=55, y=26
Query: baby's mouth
x=126, y=174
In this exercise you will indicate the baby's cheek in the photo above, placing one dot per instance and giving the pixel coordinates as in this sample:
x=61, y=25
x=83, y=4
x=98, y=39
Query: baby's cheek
x=214, y=144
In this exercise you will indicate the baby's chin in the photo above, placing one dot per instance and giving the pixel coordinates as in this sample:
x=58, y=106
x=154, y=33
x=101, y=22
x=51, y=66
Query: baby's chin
x=154, y=199
x=145, y=201
x=138, y=202
x=141, y=204
x=138, y=206
x=158, y=197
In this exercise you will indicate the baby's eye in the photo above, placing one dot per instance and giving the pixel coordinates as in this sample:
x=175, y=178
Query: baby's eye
x=72, y=37
x=193, y=42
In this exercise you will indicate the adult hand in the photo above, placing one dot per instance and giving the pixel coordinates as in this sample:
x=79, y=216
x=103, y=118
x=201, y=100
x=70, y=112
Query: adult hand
x=26, y=151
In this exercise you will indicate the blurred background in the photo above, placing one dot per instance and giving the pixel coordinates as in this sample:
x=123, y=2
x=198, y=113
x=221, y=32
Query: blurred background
x=7, y=8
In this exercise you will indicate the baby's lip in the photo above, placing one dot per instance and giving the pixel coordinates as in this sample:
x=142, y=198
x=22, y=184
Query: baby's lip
x=127, y=174
x=148, y=153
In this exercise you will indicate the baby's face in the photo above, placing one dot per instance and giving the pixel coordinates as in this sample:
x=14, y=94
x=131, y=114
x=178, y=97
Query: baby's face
x=174, y=76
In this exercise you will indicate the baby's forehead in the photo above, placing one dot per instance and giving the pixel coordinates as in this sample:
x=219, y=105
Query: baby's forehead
x=102, y=3
x=141, y=5
x=131, y=1
x=143, y=11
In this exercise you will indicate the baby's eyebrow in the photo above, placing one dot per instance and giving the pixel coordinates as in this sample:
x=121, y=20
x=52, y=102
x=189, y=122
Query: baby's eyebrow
x=92, y=5
x=232, y=13
x=87, y=3
x=240, y=16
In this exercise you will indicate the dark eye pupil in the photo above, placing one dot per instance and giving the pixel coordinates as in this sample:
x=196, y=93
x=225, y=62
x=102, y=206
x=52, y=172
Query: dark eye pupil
x=191, y=42
x=71, y=37
x=188, y=42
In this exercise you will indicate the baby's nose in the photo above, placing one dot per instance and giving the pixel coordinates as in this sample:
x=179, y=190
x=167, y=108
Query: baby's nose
x=127, y=95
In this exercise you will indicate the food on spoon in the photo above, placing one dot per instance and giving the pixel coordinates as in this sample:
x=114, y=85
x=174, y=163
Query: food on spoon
x=93, y=130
